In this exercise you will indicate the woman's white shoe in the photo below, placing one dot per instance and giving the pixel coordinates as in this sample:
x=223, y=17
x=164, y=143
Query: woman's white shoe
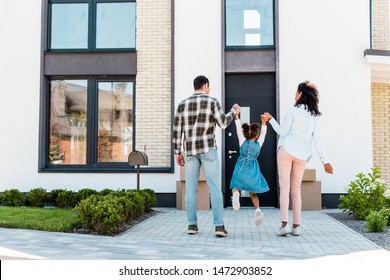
x=283, y=231
x=296, y=231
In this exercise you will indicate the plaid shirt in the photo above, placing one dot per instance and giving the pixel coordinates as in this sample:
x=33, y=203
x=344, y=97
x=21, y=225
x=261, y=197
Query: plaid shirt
x=196, y=118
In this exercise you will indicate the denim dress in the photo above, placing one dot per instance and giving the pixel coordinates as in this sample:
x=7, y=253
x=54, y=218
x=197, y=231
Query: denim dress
x=246, y=174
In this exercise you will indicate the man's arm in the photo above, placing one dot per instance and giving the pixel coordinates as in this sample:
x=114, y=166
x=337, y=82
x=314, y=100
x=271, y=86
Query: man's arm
x=177, y=131
x=222, y=119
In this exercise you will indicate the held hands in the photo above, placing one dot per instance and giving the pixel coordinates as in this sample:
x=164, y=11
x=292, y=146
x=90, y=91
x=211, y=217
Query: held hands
x=328, y=168
x=265, y=118
x=238, y=109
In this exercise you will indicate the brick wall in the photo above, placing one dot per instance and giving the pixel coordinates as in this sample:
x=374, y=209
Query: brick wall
x=381, y=128
x=380, y=25
x=153, y=81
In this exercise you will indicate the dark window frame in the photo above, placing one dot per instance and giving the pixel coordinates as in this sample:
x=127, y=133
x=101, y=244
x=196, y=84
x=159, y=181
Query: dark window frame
x=243, y=47
x=92, y=7
x=92, y=165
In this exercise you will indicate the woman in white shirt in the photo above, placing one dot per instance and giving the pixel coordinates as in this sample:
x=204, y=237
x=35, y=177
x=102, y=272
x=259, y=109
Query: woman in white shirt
x=300, y=129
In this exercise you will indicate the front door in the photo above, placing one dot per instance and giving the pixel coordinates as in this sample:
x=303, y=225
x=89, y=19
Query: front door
x=256, y=94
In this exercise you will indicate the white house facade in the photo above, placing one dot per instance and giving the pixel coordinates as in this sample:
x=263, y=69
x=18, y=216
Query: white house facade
x=86, y=82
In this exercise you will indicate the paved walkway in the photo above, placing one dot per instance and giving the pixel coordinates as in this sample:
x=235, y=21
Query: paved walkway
x=164, y=237
x=326, y=249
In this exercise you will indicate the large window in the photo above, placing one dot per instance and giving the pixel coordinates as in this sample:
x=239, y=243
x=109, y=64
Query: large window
x=249, y=23
x=91, y=25
x=88, y=90
x=90, y=123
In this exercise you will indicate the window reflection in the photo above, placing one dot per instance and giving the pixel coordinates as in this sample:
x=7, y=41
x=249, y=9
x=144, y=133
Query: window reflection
x=68, y=122
x=251, y=19
x=115, y=25
x=69, y=26
x=249, y=23
x=115, y=122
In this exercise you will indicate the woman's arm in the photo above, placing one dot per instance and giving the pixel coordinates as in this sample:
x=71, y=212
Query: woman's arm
x=284, y=129
x=318, y=142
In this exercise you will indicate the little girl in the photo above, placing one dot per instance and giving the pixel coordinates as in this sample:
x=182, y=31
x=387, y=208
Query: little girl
x=246, y=174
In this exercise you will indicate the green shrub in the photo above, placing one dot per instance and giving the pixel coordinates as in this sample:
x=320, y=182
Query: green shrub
x=67, y=199
x=387, y=196
x=105, y=214
x=386, y=213
x=129, y=207
x=365, y=194
x=85, y=193
x=54, y=196
x=2, y=196
x=376, y=221
x=37, y=197
x=138, y=200
x=106, y=191
x=150, y=199
x=13, y=197
x=133, y=201
x=101, y=214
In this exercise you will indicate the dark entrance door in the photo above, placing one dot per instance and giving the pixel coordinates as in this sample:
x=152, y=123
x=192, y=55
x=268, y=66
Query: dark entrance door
x=255, y=93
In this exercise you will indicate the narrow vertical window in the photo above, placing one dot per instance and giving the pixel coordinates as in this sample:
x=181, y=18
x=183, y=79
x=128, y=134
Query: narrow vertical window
x=115, y=121
x=68, y=122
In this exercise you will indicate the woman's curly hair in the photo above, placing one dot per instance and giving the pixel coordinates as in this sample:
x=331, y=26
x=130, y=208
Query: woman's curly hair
x=251, y=131
x=309, y=98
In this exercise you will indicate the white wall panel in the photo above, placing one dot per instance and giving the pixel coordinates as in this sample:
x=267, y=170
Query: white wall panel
x=324, y=41
x=20, y=35
x=197, y=49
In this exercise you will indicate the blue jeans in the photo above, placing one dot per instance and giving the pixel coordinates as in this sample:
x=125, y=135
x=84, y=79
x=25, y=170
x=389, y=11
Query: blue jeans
x=210, y=164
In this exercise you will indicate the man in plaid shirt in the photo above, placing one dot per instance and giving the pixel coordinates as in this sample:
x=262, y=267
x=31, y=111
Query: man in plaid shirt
x=194, y=126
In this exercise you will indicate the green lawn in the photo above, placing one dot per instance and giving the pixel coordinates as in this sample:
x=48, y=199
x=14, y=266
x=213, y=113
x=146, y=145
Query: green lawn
x=47, y=219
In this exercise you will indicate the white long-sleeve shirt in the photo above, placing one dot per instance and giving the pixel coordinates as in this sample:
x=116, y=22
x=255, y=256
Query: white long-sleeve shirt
x=241, y=137
x=298, y=133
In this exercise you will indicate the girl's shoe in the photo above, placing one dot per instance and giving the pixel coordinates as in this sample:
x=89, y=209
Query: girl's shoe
x=258, y=216
x=236, y=201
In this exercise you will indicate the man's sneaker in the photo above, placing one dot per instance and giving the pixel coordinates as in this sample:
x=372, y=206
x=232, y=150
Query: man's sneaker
x=236, y=201
x=283, y=231
x=258, y=216
x=296, y=231
x=192, y=229
x=220, y=231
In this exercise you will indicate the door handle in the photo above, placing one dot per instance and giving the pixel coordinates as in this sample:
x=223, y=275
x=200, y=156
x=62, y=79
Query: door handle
x=231, y=152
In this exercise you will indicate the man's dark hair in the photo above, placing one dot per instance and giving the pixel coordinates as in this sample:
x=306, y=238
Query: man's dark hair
x=200, y=81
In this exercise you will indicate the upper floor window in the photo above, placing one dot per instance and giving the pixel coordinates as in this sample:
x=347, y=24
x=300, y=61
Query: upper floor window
x=249, y=23
x=91, y=25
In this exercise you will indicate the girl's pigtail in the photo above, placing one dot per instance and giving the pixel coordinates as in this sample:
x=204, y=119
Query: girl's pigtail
x=254, y=130
x=245, y=130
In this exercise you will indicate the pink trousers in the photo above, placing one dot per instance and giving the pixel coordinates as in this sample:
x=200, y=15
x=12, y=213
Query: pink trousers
x=291, y=172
